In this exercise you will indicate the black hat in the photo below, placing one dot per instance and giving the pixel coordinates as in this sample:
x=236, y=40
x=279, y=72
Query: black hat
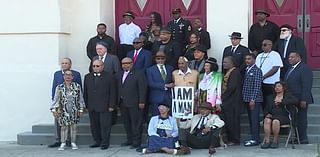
x=211, y=60
x=164, y=104
x=236, y=35
x=176, y=10
x=263, y=11
x=128, y=13
x=201, y=48
x=287, y=26
x=206, y=105
x=106, y=45
x=165, y=30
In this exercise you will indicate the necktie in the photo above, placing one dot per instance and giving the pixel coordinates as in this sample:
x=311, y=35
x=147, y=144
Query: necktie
x=232, y=49
x=201, y=123
x=284, y=48
x=163, y=73
x=125, y=74
x=101, y=58
x=135, y=56
x=288, y=73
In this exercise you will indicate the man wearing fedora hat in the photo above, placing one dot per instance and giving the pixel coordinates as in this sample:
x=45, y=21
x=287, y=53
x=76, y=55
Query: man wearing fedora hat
x=128, y=31
x=263, y=29
x=180, y=27
x=236, y=50
x=159, y=77
x=202, y=131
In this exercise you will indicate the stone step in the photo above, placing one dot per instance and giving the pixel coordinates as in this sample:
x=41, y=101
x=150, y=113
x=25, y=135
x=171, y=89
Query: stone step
x=313, y=116
x=29, y=138
x=283, y=137
x=316, y=73
x=81, y=128
x=315, y=90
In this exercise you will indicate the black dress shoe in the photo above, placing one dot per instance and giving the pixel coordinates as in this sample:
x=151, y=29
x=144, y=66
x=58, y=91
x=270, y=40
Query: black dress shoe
x=94, y=145
x=103, y=147
x=135, y=146
x=126, y=144
x=56, y=144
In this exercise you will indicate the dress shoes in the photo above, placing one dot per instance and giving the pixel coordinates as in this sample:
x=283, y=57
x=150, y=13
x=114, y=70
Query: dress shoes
x=126, y=144
x=54, y=145
x=103, y=147
x=265, y=145
x=251, y=143
x=95, y=145
x=212, y=150
x=135, y=146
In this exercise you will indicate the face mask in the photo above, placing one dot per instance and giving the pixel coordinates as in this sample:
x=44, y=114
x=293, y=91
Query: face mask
x=285, y=34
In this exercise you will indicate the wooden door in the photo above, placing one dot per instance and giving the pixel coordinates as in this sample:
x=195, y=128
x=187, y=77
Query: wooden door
x=305, y=22
x=142, y=9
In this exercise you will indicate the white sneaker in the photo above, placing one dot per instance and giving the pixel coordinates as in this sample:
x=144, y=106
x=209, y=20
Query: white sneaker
x=62, y=146
x=74, y=146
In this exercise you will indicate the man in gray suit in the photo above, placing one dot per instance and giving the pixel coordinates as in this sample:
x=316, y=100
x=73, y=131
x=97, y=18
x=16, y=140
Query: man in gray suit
x=111, y=62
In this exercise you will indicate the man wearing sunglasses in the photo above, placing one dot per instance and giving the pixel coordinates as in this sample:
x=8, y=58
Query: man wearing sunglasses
x=100, y=100
x=140, y=56
x=159, y=77
x=289, y=43
x=269, y=62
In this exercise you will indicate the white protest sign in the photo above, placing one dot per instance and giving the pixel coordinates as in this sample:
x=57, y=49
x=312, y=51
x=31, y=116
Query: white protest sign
x=182, y=102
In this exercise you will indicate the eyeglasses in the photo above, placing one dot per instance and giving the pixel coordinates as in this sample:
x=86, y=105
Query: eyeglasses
x=126, y=63
x=160, y=58
x=136, y=42
x=96, y=66
x=266, y=44
x=283, y=30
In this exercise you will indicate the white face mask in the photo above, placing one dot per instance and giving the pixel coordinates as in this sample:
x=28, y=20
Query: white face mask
x=286, y=34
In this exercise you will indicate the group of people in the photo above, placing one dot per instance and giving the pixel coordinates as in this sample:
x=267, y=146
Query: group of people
x=137, y=78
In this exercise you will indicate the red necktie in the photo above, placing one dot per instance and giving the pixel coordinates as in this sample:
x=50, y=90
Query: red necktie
x=135, y=56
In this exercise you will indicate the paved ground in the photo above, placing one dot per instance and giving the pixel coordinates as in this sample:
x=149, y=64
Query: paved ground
x=11, y=149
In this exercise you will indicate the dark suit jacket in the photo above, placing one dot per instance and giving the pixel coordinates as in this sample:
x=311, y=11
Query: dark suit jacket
x=172, y=50
x=300, y=83
x=200, y=69
x=91, y=46
x=133, y=90
x=232, y=96
x=295, y=44
x=111, y=63
x=143, y=61
x=58, y=79
x=101, y=97
x=205, y=38
x=238, y=56
x=157, y=92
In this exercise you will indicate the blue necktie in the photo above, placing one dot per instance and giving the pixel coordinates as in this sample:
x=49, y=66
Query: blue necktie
x=288, y=73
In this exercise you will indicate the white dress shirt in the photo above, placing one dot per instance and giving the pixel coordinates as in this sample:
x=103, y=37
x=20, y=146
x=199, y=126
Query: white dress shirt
x=127, y=33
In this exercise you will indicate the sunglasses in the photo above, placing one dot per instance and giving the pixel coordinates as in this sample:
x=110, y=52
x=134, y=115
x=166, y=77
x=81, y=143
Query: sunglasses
x=96, y=66
x=265, y=44
x=126, y=63
x=68, y=74
x=160, y=58
x=136, y=42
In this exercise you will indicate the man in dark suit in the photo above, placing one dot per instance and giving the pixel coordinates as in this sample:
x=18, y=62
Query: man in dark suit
x=111, y=62
x=171, y=48
x=180, y=27
x=57, y=80
x=131, y=96
x=204, y=35
x=289, y=43
x=252, y=97
x=299, y=79
x=101, y=36
x=141, y=57
x=100, y=99
x=237, y=51
x=159, y=82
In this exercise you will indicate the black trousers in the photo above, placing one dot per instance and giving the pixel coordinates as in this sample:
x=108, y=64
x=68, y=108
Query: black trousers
x=199, y=141
x=302, y=119
x=100, y=123
x=132, y=120
x=267, y=91
x=231, y=117
x=123, y=50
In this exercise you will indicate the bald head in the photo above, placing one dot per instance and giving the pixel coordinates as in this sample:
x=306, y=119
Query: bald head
x=97, y=66
x=126, y=64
